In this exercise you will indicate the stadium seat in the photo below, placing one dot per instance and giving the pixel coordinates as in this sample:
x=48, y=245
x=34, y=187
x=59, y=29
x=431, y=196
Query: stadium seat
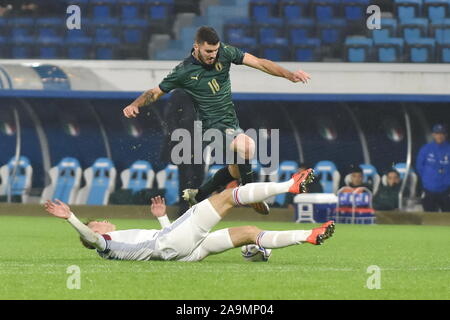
x=443, y=51
x=324, y=10
x=269, y=29
x=436, y=10
x=299, y=30
x=294, y=9
x=168, y=180
x=246, y=44
x=440, y=30
x=358, y=49
x=78, y=44
x=421, y=50
x=307, y=51
x=354, y=10
x=65, y=181
x=275, y=49
x=412, y=178
x=237, y=28
x=413, y=28
x=331, y=31
x=102, y=9
x=139, y=176
x=134, y=32
x=131, y=9
x=389, y=50
x=388, y=30
x=328, y=176
x=408, y=9
x=285, y=172
x=23, y=175
x=100, y=181
x=261, y=10
x=371, y=176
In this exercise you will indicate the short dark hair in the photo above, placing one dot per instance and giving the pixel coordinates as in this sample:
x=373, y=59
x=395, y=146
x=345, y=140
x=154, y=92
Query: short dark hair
x=206, y=34
x=393, y=170
x=85, y=243
x=355, y=169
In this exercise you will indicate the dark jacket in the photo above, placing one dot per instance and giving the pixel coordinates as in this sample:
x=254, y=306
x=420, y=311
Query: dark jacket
x=386, y=197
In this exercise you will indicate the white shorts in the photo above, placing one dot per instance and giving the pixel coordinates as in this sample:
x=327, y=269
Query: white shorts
x=185, y=234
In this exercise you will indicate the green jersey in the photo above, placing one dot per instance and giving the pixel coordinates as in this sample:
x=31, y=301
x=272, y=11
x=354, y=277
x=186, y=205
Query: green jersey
x=209, y=87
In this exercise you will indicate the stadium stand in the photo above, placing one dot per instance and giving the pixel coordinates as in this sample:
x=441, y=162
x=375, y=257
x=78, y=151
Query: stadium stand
x=289, y=30
x=328, y=175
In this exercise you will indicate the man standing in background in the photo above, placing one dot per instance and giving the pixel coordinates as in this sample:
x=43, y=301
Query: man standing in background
x=433, y=165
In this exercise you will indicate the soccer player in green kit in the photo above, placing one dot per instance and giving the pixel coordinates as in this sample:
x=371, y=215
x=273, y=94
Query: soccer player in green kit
x=204, y=75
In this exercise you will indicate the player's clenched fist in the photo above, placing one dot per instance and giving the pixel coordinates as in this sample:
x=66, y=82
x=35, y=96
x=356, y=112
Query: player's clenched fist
x=131, y=111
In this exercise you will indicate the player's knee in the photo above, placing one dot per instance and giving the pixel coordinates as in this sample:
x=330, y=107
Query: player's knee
x=251, y=233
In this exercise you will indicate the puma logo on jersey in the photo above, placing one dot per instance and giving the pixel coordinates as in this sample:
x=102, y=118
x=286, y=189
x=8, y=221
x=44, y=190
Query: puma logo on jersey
x=194, y=78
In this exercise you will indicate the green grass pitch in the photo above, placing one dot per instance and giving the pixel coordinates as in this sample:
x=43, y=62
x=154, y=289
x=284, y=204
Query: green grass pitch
x=35, y=253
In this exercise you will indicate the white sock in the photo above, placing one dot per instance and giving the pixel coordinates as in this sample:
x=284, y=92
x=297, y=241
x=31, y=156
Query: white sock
x=257, y=192
x=280, y=239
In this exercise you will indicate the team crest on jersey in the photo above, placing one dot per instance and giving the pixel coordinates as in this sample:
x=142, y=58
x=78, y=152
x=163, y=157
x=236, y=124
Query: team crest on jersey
x=218, y=66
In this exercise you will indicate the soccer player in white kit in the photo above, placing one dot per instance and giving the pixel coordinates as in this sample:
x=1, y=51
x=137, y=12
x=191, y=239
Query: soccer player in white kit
x=189, y=238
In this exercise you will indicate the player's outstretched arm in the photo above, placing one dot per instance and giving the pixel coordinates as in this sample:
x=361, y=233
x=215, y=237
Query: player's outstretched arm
x=148, y=97
x=158, y=209
x=274, y=69
x=61, y=210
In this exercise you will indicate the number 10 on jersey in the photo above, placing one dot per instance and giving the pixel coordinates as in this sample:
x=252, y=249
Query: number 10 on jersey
x=214, y=85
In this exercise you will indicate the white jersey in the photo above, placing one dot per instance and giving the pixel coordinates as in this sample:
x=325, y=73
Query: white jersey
x=133, y=244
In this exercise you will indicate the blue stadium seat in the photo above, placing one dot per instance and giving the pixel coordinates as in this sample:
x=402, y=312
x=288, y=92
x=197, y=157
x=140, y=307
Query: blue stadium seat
x=413, y=28
x=4, y=27
x=139, y=176
x=168, y=180
x=78, y=44
x=100, y=181
x=371, y=176
x=331, y=31
x=269, y=29
x=131, y=9
x=443, y=51
x=325, y=9
x=285, y=172
x=358, y=49
x=354, y=10
x=421, y=50
x=23, y=47
x=328, y=175
x=159, y=9
x=389, y=50
x=440, y=30
x=276, y=49
x=436, y=10
x=307, y=51
x=388, y=30
x=134, y=31
x=408, y=9
x=65, y=180
x=261, y=10
x=246, y=44
x=299, y=30
x=237, y=28
x=21, y=184
x=102, y=9
x=294, y=9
